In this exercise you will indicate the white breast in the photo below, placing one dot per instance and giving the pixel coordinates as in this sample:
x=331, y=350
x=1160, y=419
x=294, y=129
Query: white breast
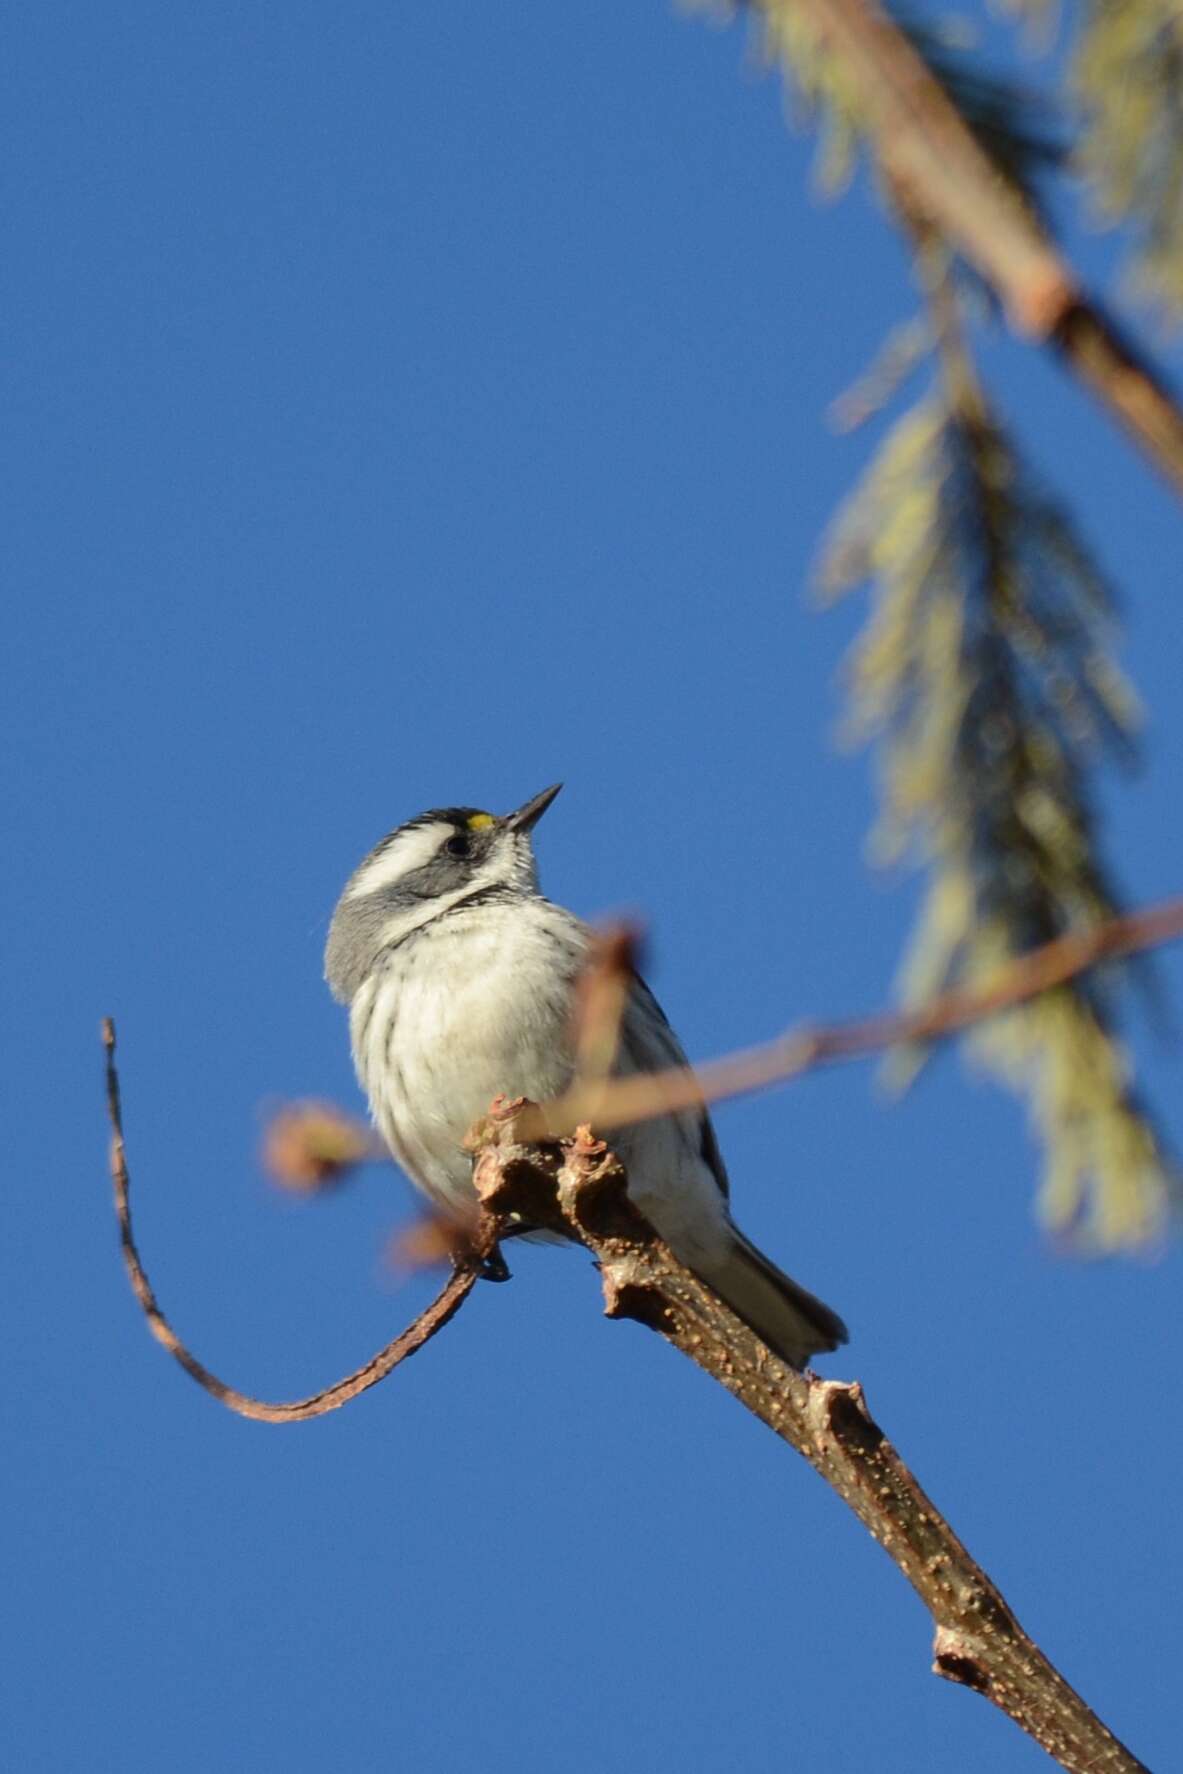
x=474, y=1005
x=478, y=1004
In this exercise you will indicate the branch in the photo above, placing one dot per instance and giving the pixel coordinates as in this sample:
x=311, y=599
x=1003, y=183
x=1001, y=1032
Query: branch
x=580, y=1189
x=928, y=152
x=468, y=1269
x=619, y=1102
x=616, y=1102
x=601, y=998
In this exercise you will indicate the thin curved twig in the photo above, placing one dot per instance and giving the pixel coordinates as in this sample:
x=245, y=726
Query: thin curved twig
x=445, y=1305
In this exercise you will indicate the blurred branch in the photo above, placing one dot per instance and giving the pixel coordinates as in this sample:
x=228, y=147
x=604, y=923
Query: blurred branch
x=986, y=676
x=927, y=150
x=447, y=1302
x=580, y=1189
x=601, y=998
x=622, y=1101
x=310, y=1147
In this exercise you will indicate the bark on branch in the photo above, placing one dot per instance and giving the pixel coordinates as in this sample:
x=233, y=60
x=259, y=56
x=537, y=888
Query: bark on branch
x=579, y=1188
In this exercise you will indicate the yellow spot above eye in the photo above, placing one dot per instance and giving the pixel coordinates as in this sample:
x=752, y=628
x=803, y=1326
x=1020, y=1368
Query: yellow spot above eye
x=478, y=821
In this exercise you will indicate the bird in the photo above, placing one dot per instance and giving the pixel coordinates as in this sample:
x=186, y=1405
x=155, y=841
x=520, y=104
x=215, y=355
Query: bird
x=460, y=977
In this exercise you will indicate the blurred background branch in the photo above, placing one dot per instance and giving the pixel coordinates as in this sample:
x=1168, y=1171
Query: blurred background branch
x=966, y=148
x=987, y=676
x=616, y=1102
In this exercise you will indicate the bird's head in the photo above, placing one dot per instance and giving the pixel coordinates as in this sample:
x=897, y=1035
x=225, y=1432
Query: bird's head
x=423, y=869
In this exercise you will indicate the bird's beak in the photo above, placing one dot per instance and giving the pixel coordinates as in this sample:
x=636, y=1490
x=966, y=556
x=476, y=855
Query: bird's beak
x=527, y=817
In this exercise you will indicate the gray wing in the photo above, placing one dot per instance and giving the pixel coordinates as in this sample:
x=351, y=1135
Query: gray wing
x=648, y=1044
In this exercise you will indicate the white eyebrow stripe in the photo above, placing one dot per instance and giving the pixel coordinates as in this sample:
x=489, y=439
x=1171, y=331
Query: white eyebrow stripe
x=406, y=853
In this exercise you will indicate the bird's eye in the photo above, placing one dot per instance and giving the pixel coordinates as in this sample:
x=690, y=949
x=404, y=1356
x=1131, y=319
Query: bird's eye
x=457, y=846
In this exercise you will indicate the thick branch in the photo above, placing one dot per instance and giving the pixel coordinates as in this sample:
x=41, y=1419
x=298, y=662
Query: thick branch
x=978, y=1643
x=446, y=1303
x=929, y=154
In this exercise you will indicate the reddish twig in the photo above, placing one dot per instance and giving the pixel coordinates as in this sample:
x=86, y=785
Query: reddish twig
x=446, y=1303
x=640, y=1097
x=601, y=998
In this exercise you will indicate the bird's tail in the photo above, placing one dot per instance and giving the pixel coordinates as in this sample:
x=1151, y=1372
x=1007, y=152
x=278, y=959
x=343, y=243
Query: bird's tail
x=791, y=1321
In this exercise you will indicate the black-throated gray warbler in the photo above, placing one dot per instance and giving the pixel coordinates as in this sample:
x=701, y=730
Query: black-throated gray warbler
x=459, y=977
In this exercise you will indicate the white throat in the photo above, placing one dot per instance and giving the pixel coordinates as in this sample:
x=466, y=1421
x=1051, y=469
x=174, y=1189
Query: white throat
x=410, y=918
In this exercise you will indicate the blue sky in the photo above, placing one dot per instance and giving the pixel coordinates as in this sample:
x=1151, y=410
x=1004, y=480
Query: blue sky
x=417, y=405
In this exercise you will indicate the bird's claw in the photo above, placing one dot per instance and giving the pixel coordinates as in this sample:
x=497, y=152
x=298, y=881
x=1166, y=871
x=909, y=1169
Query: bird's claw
x=494, y=1267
